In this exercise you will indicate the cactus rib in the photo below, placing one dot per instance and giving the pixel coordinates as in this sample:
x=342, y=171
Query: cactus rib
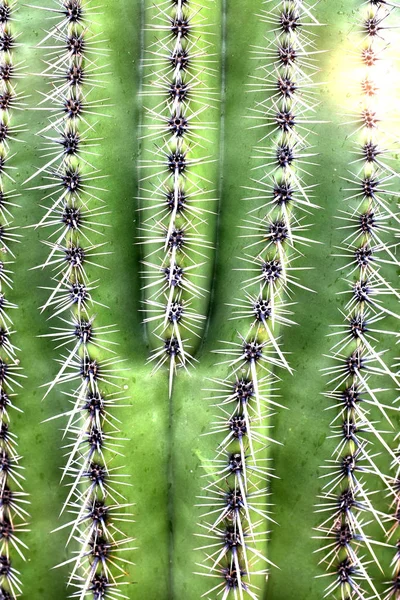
x=13, y=499
x=74, y=214
x=274, y=231
x=174, y=191
x=353, y=475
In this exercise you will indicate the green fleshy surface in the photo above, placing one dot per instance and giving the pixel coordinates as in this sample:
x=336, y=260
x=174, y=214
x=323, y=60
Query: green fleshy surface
x=165, y=449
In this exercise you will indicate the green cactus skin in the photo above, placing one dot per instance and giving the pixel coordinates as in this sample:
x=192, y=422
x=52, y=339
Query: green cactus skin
x=89, y=371
x=164, y=455
x=357, y=469
x=237, y=507
x=13, y=497
x=178, y=176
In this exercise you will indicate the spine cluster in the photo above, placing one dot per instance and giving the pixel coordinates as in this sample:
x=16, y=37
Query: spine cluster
x=74, y=214
x=13, y=500
x=174, y=188
x=363, y=415
x=237, y=495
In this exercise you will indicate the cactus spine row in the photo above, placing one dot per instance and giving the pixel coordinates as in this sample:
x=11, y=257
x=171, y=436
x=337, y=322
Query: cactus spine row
x=235, y=499
x=352, y=476
x=174, y=190
x=89, y=370
x=13, y=499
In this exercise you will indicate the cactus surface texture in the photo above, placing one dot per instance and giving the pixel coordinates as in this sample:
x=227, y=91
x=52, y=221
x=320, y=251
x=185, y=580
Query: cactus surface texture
x=199, y=299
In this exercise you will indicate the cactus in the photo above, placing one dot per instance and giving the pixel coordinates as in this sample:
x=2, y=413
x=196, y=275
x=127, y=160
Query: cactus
x=349, y=503
x=73, y=206
x=13, y=501
x=200, y=315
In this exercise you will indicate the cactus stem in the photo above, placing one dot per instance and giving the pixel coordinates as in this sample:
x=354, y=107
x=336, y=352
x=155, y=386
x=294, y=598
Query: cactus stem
x=73, y=214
